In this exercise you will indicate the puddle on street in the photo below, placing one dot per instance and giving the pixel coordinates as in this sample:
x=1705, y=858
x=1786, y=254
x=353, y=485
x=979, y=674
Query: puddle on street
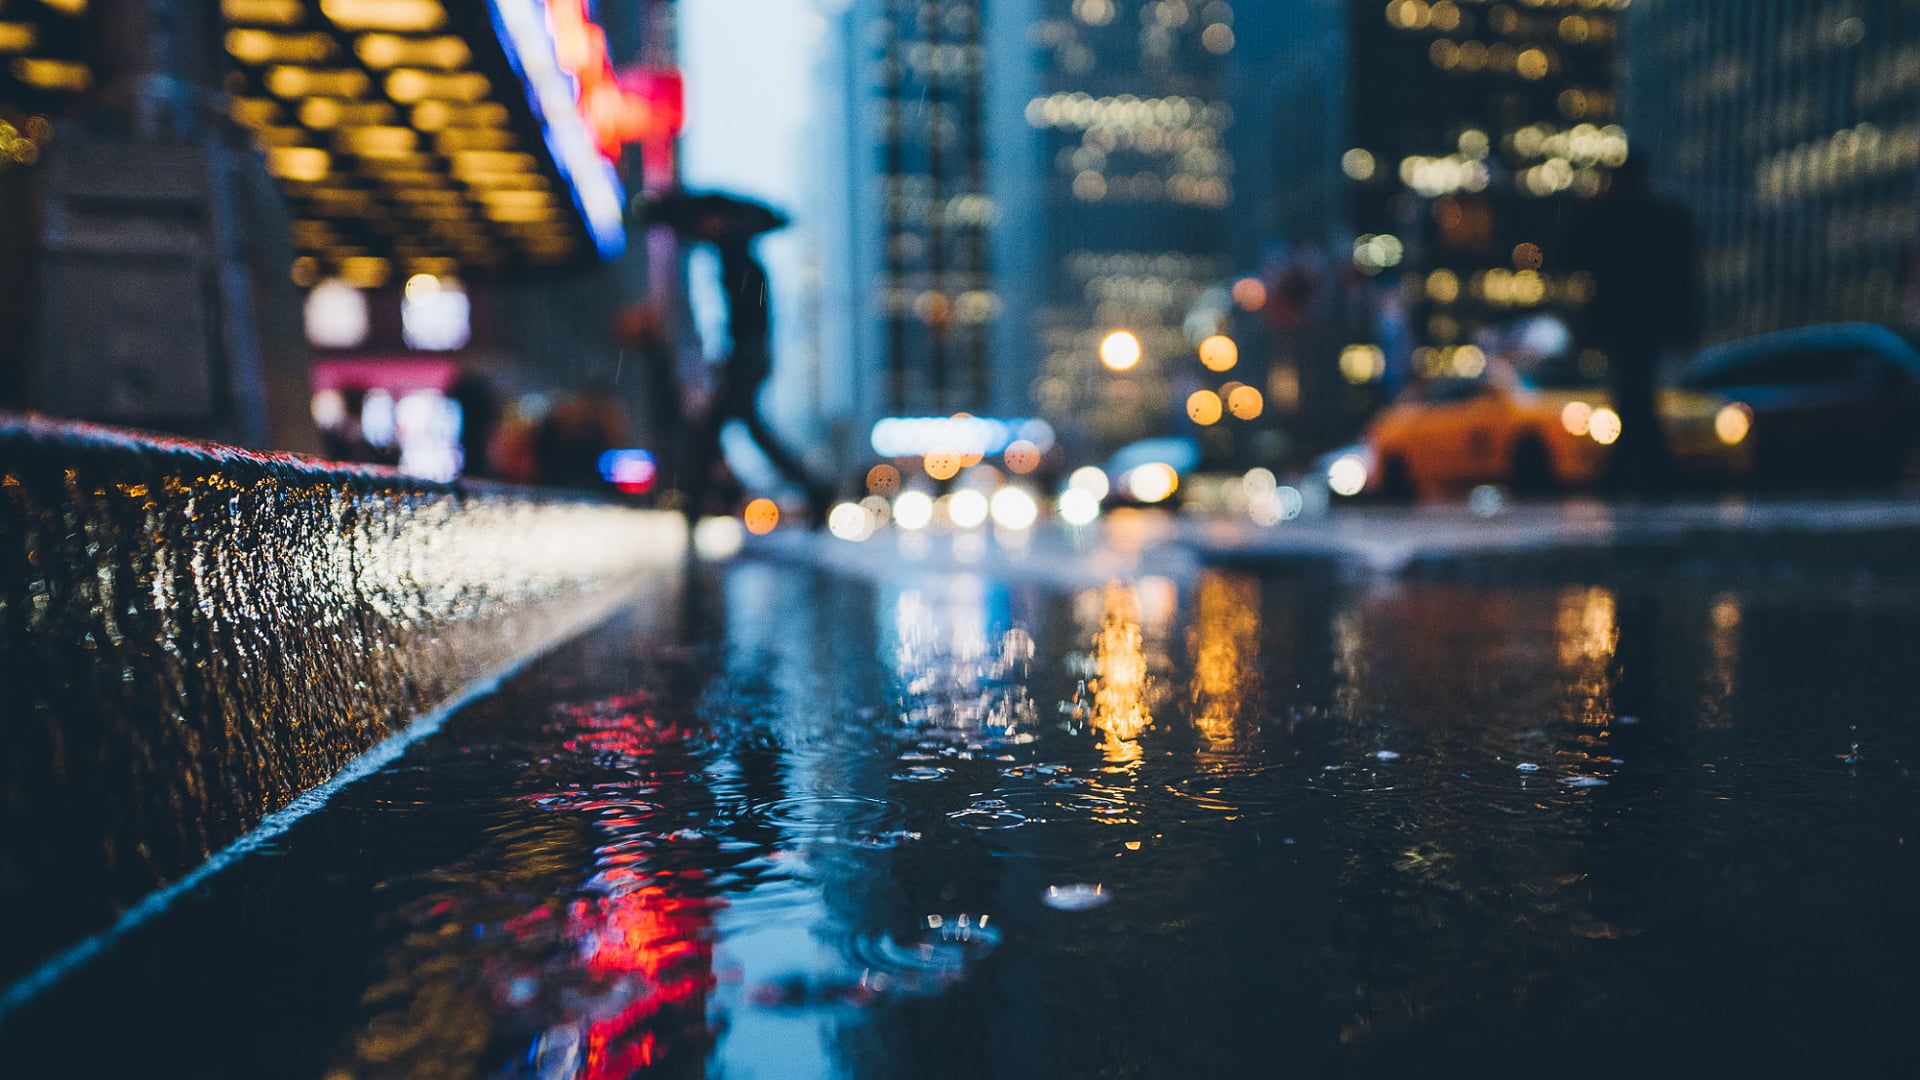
x=795, y=825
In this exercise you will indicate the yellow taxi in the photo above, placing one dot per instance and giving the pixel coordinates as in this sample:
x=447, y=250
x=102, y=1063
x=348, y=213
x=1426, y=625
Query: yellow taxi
x=1445, y=435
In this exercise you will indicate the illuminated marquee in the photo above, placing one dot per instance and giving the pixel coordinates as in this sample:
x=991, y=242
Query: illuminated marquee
x=402, y=150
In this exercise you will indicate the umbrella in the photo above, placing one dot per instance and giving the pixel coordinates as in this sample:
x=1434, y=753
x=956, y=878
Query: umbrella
x=709, y=215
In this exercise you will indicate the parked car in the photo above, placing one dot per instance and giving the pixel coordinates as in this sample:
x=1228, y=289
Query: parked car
x=1442, y=436
x=1836, y=403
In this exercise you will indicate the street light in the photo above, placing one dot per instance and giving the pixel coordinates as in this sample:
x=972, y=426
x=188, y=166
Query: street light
x=1120, y=350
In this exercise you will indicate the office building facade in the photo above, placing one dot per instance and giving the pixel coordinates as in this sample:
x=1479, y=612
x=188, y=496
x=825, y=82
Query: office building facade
x=1791, y=130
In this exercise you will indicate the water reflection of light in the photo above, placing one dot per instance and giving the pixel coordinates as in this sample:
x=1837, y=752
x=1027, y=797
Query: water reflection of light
x=1587, y=625
x=1588, y=632
x=1120, y=709
x=1723, y=645
x=1224, y=643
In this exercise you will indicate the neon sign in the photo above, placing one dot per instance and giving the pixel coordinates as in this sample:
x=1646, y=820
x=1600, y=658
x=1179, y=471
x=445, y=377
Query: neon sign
x=628, y=107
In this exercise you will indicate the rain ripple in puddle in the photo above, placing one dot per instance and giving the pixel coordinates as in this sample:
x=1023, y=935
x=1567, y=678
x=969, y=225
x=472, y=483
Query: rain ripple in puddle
x=836, y=816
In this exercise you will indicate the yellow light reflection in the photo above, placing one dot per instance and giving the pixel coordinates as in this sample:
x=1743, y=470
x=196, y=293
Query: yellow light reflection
x=1120, y=685
x=1224, y=645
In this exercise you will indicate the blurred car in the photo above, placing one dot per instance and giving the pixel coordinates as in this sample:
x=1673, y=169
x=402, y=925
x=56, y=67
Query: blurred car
x=1831, y=404
x=1446, y=435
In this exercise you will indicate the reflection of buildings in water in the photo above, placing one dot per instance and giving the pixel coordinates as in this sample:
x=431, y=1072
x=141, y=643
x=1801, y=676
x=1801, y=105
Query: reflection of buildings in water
x=1224, y=644
x=957, y=676
x=1508, y=675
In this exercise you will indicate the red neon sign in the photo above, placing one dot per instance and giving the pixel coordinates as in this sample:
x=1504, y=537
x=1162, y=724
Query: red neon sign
x=636, y=105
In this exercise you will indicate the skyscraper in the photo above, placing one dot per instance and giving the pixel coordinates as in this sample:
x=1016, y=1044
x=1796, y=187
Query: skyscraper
x=1432, y=155
x=1020, y=178
x=1132, y=182
x=1792, y=132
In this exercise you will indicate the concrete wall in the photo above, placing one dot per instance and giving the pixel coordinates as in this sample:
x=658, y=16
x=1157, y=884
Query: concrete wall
x=191, y=636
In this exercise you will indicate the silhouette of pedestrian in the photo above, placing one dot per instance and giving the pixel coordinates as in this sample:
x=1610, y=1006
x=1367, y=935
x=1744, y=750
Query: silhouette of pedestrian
x=1639, y=249
x=731, y=225
x=479, y=419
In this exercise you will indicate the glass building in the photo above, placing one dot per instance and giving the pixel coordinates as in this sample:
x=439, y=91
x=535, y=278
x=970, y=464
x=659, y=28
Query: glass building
x=1792, y=132
x=1430, y=159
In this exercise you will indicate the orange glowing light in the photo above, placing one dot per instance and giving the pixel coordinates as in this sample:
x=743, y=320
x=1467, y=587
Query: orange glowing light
x=760, y=516
x=1250, y=294
x=1120, y=709
x=1022, y=456
x=1203, y=407
x=944, y=465
x=1246, y=403
x=1219, y=353
x=883, y=480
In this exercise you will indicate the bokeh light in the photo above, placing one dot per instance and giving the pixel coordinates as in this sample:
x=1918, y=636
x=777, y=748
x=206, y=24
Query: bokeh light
x=1014, y=508
x=1090, y=479
x=1022, y=456
x=1219, y=353
x=717, y=538
x=1732, y=423
x=883, y=480
x=1604, y=426
x=1347, y=475
x=1120, y=350
x=1153, y=482
x=944, y=465
x=968, y=508
x=1203, y=407
x=760, y=516
x=1576, y=417
x=1250, y=293
x=850, y=521
x=913, y=510
x=1079, y=506
x=1246, y=403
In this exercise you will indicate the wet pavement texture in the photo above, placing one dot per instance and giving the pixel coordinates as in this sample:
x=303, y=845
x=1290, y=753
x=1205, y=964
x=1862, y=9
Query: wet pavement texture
x=785, y=823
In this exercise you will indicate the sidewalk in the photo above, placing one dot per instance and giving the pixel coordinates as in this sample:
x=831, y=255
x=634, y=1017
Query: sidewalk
x=1853, y=540
x=1857, y=535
